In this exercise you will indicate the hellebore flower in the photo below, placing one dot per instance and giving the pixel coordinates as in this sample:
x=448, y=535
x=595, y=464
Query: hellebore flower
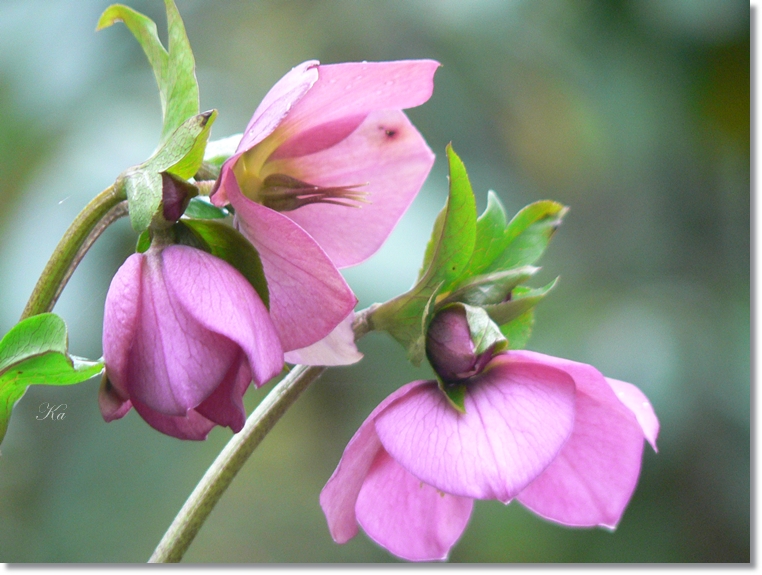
x=184, y=334
x=325, y=169
x=556, y=435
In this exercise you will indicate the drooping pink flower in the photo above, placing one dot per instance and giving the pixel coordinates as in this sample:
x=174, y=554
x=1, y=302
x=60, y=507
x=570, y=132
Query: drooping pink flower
x=184, y=334
x=554, y=434
x=325, y=169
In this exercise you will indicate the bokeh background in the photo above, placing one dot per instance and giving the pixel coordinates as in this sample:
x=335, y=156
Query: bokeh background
x=636, y=114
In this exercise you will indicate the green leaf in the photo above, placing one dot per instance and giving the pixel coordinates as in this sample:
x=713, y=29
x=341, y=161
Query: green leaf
x=528, y=234
x=182, y=153
x=518, y=331
x=33, y=352
x=447, y=254
x=455, y=394
x=180, y=156
x=143, y=188
x=228, y=244
x=174, y=69
x=202, y=209
x=491, y=237
x=490, y=288
x=522, y=301
x=485, y=335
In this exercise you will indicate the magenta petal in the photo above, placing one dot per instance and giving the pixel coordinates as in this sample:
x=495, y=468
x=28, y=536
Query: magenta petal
x=225, y=405
x=220, y=299
x=353, y=89
x=337, y=348
x=308, y=295
x=409, y=518
x=339, y=495
x=389, y=155
x=592, y=479
x=518, y=416
x=638, y=403
x=120, y=321
x=193, y=425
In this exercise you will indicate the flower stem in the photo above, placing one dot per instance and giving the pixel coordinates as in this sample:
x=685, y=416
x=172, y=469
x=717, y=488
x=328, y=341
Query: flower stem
x=229, y=462
x=103, y=209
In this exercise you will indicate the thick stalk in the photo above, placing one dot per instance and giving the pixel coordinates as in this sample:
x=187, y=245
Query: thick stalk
x=229, y=462
x=69, y=251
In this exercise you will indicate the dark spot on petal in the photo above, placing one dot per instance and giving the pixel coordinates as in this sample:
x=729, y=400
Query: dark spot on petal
x=389, y=132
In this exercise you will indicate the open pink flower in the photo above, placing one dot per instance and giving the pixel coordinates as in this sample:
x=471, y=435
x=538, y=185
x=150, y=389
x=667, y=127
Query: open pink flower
x=554, y=434
x=325, y=169
x=184, y=334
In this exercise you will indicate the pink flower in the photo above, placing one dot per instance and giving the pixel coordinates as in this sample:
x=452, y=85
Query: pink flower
x=556, y=435
x=184, y=334
x=325, y=169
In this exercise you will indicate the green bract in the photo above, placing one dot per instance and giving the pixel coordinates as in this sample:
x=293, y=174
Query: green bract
x=35, y=352
x=184, y=131
x=477, y=262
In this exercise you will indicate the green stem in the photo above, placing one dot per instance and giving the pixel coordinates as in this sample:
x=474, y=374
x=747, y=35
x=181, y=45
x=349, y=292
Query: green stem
x=229, y=462
x=72, y=247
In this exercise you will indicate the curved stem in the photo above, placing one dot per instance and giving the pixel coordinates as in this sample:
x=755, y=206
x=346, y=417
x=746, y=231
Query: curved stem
x=72, y=248
x=229, y=462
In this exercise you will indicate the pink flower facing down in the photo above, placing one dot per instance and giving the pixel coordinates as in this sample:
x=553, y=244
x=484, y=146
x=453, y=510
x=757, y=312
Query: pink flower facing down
x=325, y=169
x=184, y=334
x=554, y=434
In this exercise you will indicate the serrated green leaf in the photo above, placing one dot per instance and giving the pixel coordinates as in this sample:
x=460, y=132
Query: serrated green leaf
x=522, y=301
x=528, y=234
x=174, y=68
x=202, y=209
x=406, y=316
x=35, y=352
x=228, y=244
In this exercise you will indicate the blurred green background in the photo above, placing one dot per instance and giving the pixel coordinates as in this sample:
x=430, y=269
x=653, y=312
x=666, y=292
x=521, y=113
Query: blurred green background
x=633, y=113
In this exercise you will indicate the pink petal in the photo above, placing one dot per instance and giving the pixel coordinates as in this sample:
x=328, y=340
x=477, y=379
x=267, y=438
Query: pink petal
x=592, y=479
x=638, y=403
x=220, y=299
x=337, y=348
x=339, y=496
x=278, y=102
x=268, y=115
x=120, y=321
x=225, y=405
x=191, y=426
x=308, y=295
x=407, y=517
x=355, y=89
x=111, y=403
x=389, y=155
x=518, y=416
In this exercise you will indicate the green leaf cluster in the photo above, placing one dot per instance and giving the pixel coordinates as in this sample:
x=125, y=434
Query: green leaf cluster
x=477, y=262
x=35, y=352
x=185, y=131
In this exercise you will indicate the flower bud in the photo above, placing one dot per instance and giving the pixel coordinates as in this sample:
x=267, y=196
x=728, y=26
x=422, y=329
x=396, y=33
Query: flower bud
x=450, y=348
